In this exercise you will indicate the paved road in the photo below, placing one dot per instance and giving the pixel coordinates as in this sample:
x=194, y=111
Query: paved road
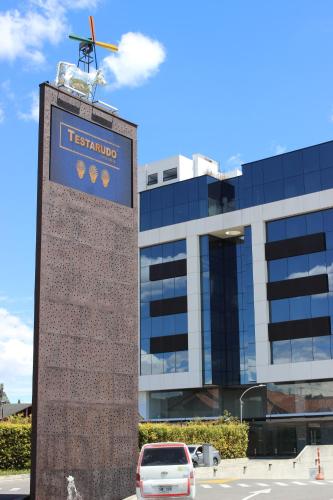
x=14, y=487
x=264, y=490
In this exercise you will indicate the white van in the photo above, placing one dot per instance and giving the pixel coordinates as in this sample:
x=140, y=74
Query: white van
x=165, y=470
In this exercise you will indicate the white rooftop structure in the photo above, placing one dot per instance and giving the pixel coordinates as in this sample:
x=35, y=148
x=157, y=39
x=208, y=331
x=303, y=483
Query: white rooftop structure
x=179, y=168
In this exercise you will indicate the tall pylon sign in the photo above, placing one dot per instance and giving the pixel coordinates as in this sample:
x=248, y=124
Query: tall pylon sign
x=85, y=345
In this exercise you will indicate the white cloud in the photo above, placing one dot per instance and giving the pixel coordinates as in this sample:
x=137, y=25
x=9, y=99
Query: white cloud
x=24, y=33
x=33, y=114
x=278, y=149
x=138, y=58
x=80, y=4
x=16, y=339
x=2, y=114
x=234, y=161
x=6, y=89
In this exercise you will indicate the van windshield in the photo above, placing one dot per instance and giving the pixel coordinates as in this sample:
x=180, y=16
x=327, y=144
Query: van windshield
x=164, y=456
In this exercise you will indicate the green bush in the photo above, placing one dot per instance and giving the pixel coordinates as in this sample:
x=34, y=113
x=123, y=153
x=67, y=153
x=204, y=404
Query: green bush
x=15, y=445
x=231, y=439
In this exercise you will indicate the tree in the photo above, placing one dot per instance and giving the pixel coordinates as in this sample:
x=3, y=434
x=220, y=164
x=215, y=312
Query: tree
x=3, y=396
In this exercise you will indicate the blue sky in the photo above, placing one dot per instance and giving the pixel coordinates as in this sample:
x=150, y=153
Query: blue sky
x=235, y=80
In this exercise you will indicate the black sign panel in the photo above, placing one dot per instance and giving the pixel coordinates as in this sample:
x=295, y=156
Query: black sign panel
x=90, y=158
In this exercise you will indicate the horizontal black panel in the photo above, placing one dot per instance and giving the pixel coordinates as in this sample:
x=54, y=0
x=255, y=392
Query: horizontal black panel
x=67, y=105
x=309, y=285
x=163, y=307
x=101, y=120
x=295, y=246
x=167, y=270
x=300, y=328
x=170, y=343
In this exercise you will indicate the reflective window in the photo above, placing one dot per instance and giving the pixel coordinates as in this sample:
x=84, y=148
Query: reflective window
x=170, y=174
x=301, y=350
x=227, y=310
x=169, y=362
x=182, y=361
x=276, y=230
x=277, y=178
x=322, y=348
x=278, y=269
x=300, y=397
x=152, y=179
x=279, y=310
x=157, y=364
x=281, y=351
x=300, y=266
x=295, y=226
x=300, y=225
x=146, y=364
x=186, y=403
x=159, y=326
x=180, y=323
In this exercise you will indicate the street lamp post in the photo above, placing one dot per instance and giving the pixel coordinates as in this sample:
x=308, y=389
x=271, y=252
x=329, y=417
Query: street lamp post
x=241, y=402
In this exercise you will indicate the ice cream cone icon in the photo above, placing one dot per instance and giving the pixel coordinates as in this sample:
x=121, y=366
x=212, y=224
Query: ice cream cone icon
x=105, y=178
x=93, y=173
x=80, y=168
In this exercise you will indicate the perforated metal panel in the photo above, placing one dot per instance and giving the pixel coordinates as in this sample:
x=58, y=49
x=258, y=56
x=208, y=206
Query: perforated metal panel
x=85, y=351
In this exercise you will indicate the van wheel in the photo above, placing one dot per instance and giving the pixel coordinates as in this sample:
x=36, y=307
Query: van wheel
x=215, y=461
x=195, y=464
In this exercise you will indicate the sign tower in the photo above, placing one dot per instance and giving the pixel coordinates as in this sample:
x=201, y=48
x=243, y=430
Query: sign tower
x=85, y=344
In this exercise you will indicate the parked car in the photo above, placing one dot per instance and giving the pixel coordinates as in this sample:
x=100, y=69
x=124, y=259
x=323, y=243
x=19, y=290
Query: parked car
x=165, y=470
x=196, y=453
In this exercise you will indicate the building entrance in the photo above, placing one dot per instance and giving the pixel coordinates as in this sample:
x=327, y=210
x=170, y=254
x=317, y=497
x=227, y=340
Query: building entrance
x=287, y=438
x=314, y=434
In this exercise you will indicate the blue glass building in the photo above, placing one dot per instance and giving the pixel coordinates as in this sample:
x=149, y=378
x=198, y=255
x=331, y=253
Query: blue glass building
x=236, y=277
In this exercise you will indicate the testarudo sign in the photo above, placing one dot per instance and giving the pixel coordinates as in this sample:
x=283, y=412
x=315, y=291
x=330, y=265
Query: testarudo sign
x=90, y=158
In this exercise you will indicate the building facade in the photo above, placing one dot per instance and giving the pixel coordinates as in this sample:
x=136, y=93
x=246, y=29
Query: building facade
x=236, y=287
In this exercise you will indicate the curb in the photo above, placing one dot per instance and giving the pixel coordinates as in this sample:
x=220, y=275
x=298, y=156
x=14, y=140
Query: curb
x=132, y=497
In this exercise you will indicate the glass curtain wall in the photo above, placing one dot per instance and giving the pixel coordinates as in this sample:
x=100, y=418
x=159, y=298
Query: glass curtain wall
x=227, y=310
x=306, y=306
x=166, y=325
x=300, y=397
x=185, y=403
x=283, y=176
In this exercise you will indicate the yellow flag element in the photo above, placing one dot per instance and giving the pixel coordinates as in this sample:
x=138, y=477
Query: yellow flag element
x=80, y=168
x=109, y=46
x=93, y=173
x=105, y=178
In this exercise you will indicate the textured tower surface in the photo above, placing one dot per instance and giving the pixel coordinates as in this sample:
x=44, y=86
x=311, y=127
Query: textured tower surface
x=85, y=347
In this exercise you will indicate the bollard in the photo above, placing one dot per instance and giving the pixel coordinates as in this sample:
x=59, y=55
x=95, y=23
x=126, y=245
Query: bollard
x=244, y=469
x=214, y=471
x=269, y=466
x=294, y=465
x=320, y=475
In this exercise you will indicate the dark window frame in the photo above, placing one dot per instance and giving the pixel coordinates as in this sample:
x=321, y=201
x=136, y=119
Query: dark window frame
x=153, y=177
x=169, y=174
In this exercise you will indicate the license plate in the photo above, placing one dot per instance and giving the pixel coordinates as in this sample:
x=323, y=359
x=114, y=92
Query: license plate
x=165, y=489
